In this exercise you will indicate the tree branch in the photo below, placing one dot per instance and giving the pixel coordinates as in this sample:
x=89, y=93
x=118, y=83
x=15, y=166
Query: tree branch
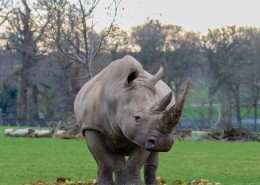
x=77, y=49
x=78, y=60
x=107, y=33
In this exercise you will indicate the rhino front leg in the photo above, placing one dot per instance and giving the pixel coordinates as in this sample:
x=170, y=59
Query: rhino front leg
x=150, y=168
x=120, y=169
x=104, y=159
x=134, y=164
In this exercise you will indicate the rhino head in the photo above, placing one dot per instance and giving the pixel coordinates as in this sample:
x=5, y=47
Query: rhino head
x=142, y=117
x=161, y=138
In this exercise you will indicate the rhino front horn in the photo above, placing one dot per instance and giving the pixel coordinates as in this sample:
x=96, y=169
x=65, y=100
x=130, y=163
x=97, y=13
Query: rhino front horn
x=172, y=116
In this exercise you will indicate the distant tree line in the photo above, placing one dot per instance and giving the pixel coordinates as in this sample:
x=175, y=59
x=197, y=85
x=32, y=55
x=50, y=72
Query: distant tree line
x=50, y=49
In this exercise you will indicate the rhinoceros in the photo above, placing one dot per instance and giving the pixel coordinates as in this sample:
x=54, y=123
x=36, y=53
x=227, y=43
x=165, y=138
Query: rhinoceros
x=125, y=111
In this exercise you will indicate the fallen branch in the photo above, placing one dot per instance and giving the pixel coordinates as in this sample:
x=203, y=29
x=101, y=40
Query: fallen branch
x=227, y=132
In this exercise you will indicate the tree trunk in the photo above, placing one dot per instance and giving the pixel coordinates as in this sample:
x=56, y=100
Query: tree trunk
x=229, y=110
x=24, y=113
x=226, y=105
x=237, y=106
x=255, y=115
x=210, y=111
x=23, y=101
x=89, y=69
x=74, y=80
x=34, y=118
x=177, y=87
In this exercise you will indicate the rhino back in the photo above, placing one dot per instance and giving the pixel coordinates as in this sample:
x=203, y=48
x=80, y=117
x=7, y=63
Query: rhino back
x=93, y=96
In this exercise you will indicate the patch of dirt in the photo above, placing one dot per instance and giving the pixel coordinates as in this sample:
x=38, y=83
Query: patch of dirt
x=160, y=181
x=63, y=181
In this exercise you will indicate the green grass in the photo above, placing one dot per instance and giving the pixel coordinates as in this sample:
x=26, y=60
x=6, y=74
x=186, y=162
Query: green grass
x=28, y=159
x=228, y=163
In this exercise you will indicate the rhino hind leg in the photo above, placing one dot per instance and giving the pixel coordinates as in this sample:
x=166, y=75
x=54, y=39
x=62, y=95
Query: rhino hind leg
x=104, y=159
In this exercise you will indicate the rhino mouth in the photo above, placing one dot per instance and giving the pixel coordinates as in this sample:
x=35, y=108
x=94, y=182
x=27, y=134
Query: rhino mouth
x=158, y=144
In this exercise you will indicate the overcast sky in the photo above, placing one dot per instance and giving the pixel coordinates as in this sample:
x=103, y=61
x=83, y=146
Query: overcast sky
x=192, y=15
x=196, y=15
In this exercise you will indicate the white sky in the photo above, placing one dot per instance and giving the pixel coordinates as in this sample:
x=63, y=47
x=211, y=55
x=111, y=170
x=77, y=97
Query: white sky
x=196, y=15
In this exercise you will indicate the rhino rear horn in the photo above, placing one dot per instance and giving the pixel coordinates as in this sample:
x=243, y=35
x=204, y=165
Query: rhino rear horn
x=162, y=104
x=153, y=80
x=173, y=115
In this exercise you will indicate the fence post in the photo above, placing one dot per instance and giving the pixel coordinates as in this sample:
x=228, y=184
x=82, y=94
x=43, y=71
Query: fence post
x=1, y=119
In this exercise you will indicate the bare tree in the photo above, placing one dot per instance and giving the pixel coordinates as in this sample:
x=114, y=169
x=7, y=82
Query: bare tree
x=25, y=34
x=74, y=30
x=4, y=10
x=181, y=55
x=227, y=51
x=252, y=70
x=150, y=38
x=118, y=43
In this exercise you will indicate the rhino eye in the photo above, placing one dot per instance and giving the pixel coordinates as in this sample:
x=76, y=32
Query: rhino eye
x=138, y=116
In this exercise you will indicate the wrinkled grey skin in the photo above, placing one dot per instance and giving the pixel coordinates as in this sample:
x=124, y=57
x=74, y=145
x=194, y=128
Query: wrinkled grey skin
x=121, y=113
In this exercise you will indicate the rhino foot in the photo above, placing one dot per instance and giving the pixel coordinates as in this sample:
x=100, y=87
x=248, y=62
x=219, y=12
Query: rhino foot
x=105, y=183
x=135, y=183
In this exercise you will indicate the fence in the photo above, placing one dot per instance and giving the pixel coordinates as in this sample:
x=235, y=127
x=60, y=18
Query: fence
x=202, y=125
x=11, y=119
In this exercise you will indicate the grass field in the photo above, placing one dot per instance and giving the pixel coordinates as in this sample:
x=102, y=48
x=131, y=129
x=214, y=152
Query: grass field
x=28, y=159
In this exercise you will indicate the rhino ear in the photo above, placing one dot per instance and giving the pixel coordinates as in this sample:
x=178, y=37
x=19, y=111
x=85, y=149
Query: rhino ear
x=131, y=77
